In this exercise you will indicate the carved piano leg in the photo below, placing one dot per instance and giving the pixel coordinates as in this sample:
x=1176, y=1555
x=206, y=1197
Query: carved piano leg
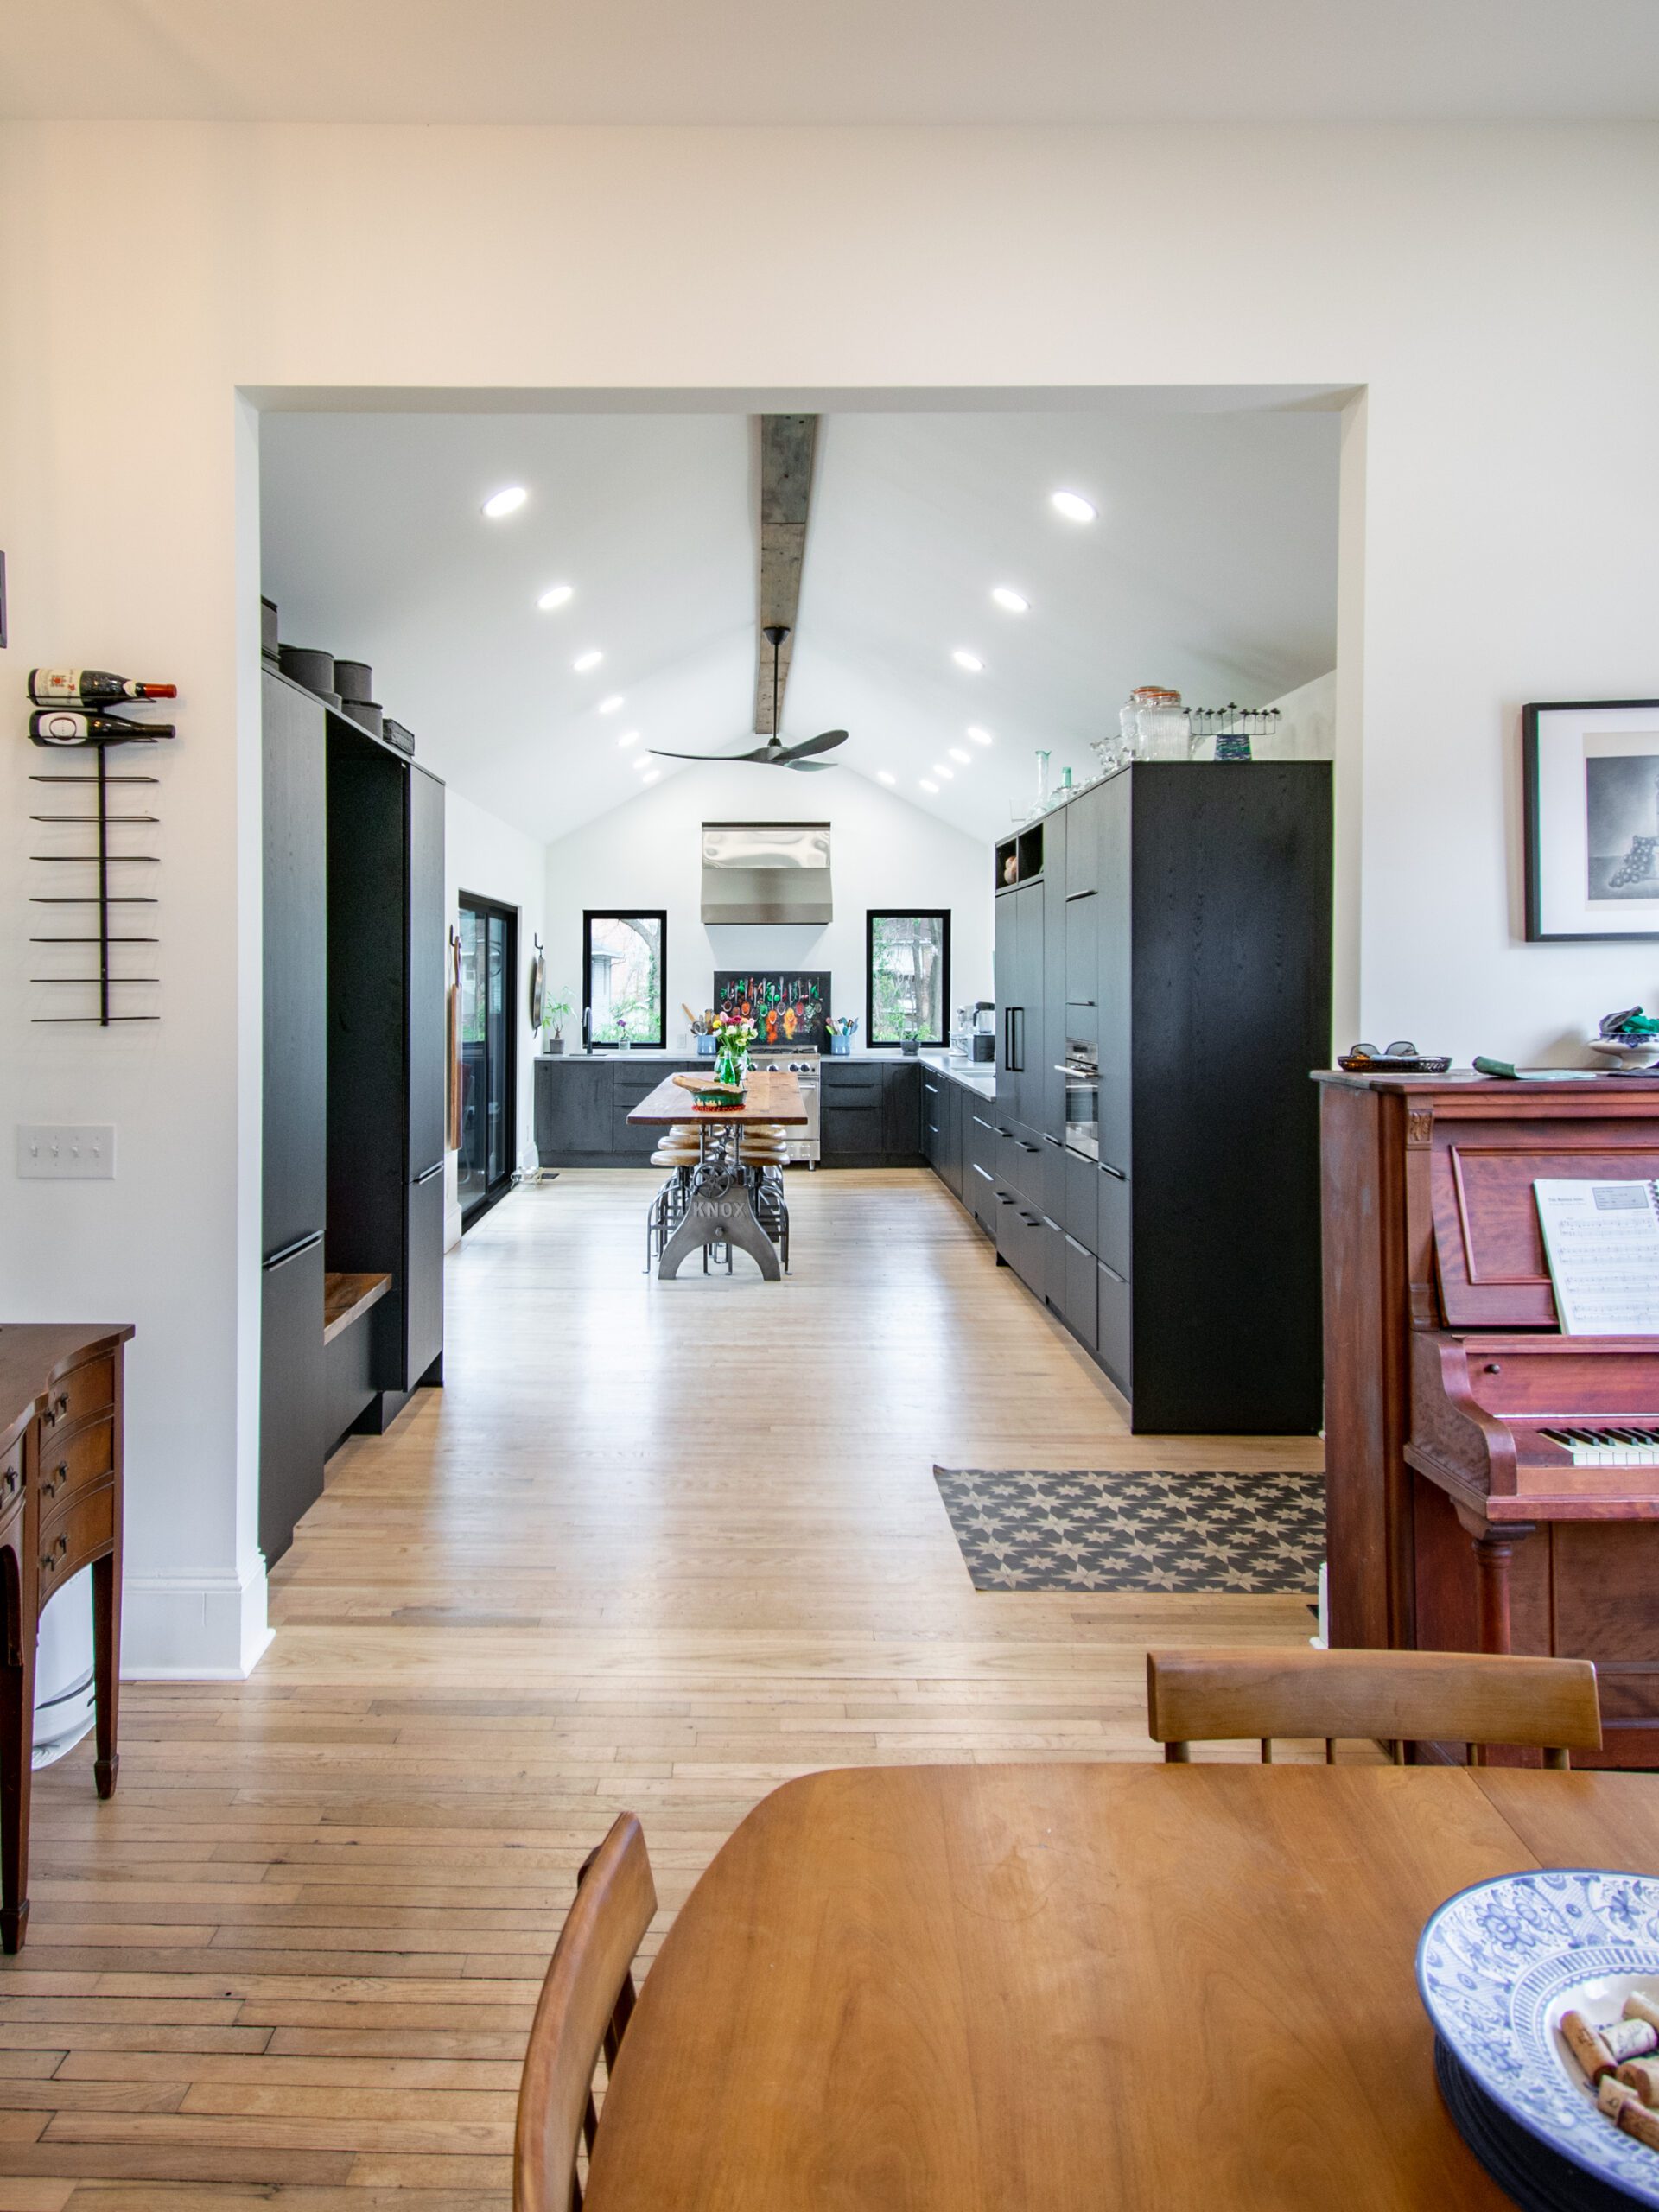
x=1492, y=1548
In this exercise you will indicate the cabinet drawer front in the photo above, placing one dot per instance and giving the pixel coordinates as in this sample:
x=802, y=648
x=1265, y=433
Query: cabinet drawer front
x=1115, y=1219
x=81, y=1460
x=1079, y=1307
x=70, y=1539
x=11, y=1477
x=89, y=1390
x=1116, y=1330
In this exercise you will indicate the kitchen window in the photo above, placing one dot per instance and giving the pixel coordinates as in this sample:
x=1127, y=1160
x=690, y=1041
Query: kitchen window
x=624, y=976
x=908, y=977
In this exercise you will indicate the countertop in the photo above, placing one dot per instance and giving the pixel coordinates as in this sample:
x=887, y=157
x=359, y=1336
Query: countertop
x=977, y=1076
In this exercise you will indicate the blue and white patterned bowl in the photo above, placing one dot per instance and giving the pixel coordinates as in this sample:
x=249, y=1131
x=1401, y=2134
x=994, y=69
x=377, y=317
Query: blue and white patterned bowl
x=1498, y=1964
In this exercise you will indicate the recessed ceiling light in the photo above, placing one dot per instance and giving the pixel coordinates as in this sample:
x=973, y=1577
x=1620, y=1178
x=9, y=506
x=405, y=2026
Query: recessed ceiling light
x=1011, y=602
x=507, y=501
x=971, y=661
x=583, y=662
x=629, y=737
x=1073, y=506
x=980, y=736
x=652, y=777
x=609, y=706
x=931, y=789
x=941, y=770
x=966, y=758
x=555, y=596
x=883, y=776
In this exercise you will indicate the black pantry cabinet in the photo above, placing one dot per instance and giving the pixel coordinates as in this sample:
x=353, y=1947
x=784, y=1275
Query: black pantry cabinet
x=353, y=1082
x=1171, y=925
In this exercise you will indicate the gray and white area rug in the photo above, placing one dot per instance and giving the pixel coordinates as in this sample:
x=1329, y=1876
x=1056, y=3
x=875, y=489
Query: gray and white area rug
x=1086, y=1528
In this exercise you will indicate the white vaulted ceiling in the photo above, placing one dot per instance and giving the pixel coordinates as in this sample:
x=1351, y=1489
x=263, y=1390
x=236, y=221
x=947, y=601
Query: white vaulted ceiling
x=750, y=61
x=1212, y=567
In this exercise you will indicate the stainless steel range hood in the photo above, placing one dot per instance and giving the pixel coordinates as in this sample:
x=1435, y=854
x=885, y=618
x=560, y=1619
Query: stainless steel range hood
x=767, y=872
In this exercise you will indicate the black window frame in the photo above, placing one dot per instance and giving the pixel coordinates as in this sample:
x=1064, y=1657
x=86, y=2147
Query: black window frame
x=589, y=916
x=872, y=916
x=475, y=1209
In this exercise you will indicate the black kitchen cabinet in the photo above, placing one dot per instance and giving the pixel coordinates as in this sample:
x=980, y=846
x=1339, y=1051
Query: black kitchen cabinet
x=387, y=935
x=630, y=1087
x=902, y=1109
x=573, y=1118
x=871, y=1112
x=935, y=1132
x=294, y=1172
x=352, y=1107
x=1180, y=934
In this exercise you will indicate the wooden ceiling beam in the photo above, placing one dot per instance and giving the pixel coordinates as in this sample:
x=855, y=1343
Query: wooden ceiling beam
x=787, y=443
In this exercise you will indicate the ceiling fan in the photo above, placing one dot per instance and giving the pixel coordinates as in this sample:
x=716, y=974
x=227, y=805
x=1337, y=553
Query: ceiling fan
x=774, y=753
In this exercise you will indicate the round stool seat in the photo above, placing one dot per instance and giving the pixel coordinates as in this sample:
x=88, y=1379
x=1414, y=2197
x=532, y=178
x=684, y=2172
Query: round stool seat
x=675, y=1158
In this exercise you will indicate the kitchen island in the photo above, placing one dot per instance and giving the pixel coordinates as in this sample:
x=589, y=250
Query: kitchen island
x=717, y=1196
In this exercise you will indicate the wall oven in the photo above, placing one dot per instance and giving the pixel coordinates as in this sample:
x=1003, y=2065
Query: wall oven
x=1082, y=1071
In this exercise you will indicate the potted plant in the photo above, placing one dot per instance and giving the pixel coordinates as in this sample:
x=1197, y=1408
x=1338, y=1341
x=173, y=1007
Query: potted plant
x=910, y=1043
x=555, y=1014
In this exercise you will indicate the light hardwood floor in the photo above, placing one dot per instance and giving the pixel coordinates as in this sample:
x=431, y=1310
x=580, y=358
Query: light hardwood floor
x=656, y=1545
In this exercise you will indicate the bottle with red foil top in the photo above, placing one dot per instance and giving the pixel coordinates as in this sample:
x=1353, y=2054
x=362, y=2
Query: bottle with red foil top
x=67, y=725
x=89, y=686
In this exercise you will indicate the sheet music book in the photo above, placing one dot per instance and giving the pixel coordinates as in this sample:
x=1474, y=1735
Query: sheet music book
x=1602, y=1243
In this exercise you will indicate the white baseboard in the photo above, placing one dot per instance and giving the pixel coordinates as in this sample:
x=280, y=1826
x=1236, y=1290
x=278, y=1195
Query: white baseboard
x=193, y=1628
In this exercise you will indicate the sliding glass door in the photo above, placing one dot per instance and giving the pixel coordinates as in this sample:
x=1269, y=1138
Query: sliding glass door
x=489, y=966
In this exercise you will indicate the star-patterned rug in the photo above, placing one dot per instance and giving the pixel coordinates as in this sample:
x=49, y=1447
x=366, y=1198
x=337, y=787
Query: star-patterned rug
x=1151, y=1530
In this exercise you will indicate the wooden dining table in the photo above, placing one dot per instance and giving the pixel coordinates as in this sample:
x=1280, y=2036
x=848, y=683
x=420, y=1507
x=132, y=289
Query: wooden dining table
x=718, y=1210
x=1079, y=1988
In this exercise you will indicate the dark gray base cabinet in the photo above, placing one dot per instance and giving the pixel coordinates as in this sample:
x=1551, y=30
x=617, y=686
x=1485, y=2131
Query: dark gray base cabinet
x=870, y=1110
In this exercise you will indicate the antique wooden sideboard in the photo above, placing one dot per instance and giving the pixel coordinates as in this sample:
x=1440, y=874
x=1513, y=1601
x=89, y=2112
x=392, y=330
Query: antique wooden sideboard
x=60, y=1450
x=1491, y=1483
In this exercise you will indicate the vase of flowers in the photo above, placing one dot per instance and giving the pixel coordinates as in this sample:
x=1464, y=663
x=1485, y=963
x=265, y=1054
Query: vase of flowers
x=733, y=1035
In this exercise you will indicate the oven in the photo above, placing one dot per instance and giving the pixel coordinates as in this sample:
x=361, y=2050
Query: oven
x=801, y=1145
x=1082, y=1073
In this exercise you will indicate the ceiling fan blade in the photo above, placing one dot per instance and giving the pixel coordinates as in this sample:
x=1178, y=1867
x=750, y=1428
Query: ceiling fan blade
x=809, y=767
x=824, y=743
x=663, y=753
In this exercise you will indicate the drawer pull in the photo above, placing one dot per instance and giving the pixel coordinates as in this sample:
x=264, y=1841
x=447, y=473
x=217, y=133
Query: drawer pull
x=54, y=1552
x=12, y=1480
x=55, y=1412
x=61, y=1476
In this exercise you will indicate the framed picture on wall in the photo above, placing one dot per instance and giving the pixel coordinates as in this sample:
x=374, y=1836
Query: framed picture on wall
x=1590, y=788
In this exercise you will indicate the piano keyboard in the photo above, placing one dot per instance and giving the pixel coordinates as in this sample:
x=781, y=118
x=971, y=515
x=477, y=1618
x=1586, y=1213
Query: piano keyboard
x=1608, y=1447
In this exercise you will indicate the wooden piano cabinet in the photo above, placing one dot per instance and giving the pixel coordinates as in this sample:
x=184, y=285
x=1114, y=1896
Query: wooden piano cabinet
x=1452, y=1524
x=61, y=1479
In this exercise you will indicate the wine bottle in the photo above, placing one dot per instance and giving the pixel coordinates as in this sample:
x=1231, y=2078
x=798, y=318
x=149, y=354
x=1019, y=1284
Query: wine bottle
x=89, y=686
x=60, y=726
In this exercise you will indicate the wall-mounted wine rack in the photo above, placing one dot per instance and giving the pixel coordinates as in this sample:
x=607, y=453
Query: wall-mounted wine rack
x=110, y=901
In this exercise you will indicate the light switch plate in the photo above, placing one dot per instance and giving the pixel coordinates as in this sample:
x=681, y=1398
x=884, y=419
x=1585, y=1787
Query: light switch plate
x=55, y=1152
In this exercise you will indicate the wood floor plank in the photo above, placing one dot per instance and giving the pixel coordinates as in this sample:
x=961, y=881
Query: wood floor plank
x=293, y=1962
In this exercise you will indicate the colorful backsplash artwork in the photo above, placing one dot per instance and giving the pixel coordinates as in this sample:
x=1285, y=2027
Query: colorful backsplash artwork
x=785, y=1009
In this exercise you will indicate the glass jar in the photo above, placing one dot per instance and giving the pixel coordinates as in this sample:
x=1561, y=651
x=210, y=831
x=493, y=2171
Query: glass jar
x=732, y=1066
x=1163, y=731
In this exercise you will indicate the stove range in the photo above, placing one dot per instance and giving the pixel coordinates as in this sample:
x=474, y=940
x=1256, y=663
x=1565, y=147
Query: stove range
x=801, y=1146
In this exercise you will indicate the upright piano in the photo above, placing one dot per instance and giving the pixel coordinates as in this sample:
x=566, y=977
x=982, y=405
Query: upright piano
x=1491, y=1484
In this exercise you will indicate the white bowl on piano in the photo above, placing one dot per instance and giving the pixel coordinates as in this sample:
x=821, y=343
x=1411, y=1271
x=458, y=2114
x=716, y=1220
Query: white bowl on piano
x=1498, y=1964
x=1628, y=1055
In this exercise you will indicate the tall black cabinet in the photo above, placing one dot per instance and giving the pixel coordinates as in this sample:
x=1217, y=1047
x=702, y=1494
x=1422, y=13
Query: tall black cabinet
x=1172, y=925
x=295, y=1175
x=353, y=1097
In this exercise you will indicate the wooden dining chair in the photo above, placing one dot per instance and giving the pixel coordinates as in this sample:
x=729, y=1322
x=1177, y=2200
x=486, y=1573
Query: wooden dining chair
x=1393, y=1697
x=585, y=2004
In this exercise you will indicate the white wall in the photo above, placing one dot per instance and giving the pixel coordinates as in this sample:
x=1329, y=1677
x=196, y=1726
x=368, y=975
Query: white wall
x=1308, y=727
x=489, y=857
x=1490, y=288
x=883, y=852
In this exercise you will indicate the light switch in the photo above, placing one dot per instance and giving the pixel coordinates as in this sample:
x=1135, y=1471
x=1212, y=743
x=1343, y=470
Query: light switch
x=50, y=1152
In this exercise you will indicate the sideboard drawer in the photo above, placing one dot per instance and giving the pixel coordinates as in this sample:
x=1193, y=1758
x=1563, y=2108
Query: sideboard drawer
x=85, y=1457
x=68, y=1540
x=77, y=1396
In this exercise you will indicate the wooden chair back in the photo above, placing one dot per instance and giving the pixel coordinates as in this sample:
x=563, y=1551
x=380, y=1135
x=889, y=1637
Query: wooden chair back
x=585, y=2004
x=1394, y=1697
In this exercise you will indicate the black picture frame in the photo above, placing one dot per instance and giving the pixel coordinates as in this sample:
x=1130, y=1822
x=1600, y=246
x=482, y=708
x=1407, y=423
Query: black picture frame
x=589, y=916
x=1555, y=840
x=805, y=989
x=872, y=916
